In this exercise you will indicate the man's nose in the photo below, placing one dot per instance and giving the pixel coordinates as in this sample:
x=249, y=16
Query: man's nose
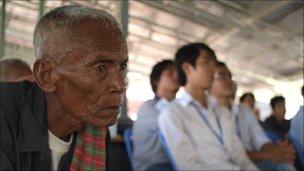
x=118, y=82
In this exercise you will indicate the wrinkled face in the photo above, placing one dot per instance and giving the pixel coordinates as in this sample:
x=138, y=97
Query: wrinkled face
x=222, y=84
x=201, y=76
x=91, y=82
x=168, y=80
x=279, y=110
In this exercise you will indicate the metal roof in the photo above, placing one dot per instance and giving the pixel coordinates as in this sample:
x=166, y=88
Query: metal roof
x=261, y=41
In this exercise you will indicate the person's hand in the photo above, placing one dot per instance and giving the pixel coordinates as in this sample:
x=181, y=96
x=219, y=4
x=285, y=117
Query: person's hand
x=289, y=152
x=281, y=151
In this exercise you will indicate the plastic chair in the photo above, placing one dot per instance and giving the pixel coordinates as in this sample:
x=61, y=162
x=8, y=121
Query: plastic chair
x=129, y=144
x=273, y=136
x=165, y=147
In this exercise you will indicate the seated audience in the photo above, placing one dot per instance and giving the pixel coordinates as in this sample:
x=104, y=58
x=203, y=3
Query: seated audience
x=148, y=152
x=15, y=70
x=266, y=155
x=276, y=126
x=198, y=136
x=60, y=121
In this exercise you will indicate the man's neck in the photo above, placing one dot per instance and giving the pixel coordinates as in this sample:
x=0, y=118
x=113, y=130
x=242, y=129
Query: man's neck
x=224, y=101
x=59, y=121
x=246, y=105
x=198, y=95
x=168, y=95
x=277, y=118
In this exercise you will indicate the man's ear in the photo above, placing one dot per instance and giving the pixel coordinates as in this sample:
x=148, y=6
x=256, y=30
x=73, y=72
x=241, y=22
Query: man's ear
x=186, y=67
x=155, y=83
x=45, y=77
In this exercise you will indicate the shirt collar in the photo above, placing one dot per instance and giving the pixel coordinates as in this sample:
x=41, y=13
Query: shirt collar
x=214, y=103
x=186, y=99
x=161, y=103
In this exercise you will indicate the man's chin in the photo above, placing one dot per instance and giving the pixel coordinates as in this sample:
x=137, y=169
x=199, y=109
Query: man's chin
x=112, y=122
x=109, y=122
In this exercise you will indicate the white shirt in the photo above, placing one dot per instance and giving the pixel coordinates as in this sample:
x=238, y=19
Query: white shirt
x=192, y=144
x=249, y=130
x=58, y=147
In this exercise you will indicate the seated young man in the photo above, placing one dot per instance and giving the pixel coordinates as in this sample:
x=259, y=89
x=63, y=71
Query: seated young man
x=148, y=152
x=198, y=136
x=276, y=123
x=266, y=155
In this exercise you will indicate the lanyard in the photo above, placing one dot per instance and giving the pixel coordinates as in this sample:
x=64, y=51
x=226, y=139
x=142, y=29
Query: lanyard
x=218, y=136
x=237, y=122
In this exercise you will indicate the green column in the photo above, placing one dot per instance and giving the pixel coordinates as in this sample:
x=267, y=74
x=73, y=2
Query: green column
x=41, y=8
x=2, y=28
x=123, y=15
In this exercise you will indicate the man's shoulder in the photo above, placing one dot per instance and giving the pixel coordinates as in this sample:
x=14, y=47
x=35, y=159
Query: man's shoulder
x=14, y=88
x=148, y=104
x=173, y=109
x=146, y=107
x=268, y=122
x=12, y=96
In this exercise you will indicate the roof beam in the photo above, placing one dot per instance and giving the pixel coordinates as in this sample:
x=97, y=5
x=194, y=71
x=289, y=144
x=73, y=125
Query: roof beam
x=204, y=18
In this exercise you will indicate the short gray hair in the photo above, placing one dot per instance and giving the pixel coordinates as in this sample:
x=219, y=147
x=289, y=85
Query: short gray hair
x=58, y=27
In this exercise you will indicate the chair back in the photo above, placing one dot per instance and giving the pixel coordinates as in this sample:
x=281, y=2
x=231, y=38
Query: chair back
x=129, y=144
x=167, y=151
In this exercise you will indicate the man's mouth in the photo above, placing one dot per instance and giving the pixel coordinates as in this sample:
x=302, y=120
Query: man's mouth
x=112, y=109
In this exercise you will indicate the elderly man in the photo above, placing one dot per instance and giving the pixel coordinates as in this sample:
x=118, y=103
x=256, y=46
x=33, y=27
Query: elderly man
x=15, y=70
x=59, y=122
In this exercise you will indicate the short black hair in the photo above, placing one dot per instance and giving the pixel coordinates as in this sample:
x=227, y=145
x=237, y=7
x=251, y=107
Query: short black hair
x=157, y=70
x=189, y=53
x=275, y=100
x=246, y=95
x=303, y=90
x=220, y=64
x=212, y=54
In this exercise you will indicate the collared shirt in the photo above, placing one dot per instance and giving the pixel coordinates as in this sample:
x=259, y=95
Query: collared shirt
x=248, y=129
x=147, y=148
x=297, y=129
x=281, y=129
x=192, y=144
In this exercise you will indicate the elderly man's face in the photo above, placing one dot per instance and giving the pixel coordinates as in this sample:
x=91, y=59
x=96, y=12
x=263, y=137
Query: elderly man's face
x=91, y=79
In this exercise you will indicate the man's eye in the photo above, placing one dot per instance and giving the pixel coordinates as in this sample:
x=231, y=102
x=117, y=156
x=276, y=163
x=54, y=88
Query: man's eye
x=207, y=62
x=101, y=68
x=124, y=66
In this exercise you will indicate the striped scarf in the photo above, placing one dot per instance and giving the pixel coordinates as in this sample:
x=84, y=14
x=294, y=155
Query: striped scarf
x=90, y=150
